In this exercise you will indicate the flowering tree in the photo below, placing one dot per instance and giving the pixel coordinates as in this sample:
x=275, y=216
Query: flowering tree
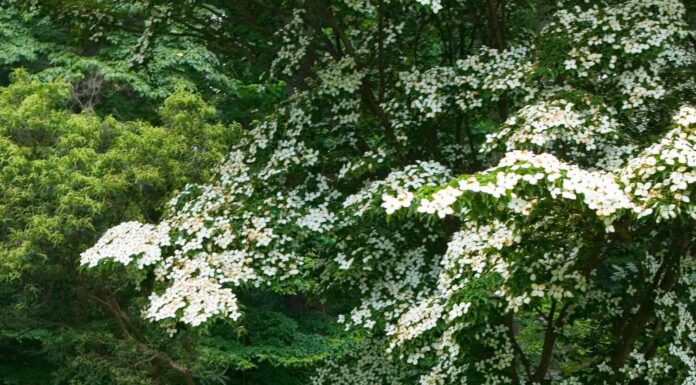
x=561, y=254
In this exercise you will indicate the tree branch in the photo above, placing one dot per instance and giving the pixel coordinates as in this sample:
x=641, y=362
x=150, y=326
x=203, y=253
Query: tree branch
x=547, y=348
x=509, y=322
x=664, y=280
x=128, y=329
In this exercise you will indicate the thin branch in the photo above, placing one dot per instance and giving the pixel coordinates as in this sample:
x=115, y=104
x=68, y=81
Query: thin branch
x=368, y=96
x=128, y=329
x=547, y=348
x=509, y=322
x=380, y=49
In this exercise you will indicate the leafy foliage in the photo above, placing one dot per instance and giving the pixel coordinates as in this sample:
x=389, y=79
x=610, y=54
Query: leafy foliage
x=67, y=177
x=484, y=192
x=588, y=149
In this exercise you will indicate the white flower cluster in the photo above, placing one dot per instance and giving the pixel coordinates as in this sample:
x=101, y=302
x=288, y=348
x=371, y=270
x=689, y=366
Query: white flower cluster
x=630, y=44
x=686, y=116
x=365, y=6
x=681, y=326
x=396, y=274
x=661, y=178
x=448, y=369
x=392, y=204
x=492, y=73
x=368, y=366
x=318, y=219
x=570, y=131
x=428, y=88
x=598, y=190
x=341, y=76
x=471, y=251
x=294, y=48
x=197, y=298
x=395, y=190
x=195, y=294
x=435, y=5
x=127, y=241
x=473, y=81
x=368, y=162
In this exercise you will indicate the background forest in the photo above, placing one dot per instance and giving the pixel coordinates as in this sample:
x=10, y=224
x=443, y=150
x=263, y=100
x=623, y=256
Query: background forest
x=347, y=192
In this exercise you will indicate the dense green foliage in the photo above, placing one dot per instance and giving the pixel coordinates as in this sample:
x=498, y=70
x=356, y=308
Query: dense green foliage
x=102, y=68
x=92, y=137
x=347, y=192
x=67, y=177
